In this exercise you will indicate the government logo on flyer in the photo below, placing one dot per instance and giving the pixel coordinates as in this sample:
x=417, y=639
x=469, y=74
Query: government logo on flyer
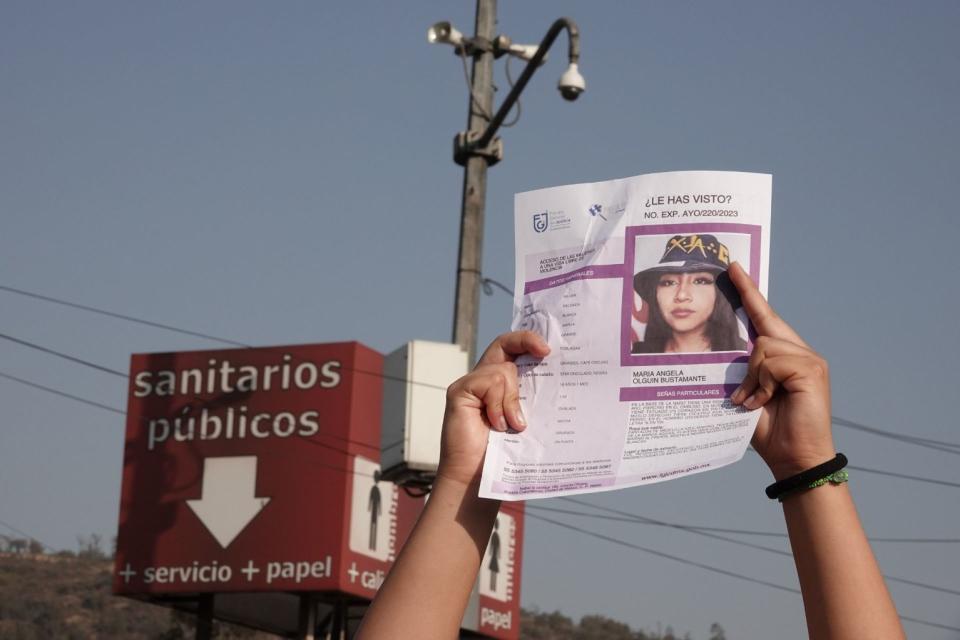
x=540, y=221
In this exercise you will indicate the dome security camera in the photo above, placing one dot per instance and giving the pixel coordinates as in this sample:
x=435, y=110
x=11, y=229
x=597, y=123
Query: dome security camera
x=571, y=83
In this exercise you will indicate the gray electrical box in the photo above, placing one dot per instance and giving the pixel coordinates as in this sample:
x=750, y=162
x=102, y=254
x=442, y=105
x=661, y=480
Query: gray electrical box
x=416, y=377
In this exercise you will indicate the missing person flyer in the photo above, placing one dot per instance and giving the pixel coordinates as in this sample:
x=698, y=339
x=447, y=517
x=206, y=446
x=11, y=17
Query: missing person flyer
x=626, y=280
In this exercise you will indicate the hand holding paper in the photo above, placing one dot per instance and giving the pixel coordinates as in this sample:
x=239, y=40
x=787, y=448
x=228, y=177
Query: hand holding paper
x=486, y=398
x=793, y=433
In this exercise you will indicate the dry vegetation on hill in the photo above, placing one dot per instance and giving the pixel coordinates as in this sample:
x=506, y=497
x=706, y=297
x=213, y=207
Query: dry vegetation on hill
x=68, y=597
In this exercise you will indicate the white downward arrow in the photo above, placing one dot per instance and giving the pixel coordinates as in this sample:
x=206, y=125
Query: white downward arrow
x=227, y=503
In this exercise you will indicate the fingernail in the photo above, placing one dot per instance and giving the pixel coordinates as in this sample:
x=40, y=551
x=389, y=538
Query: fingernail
x=749, y=402
x=521, y=420
x=502, y=424
x=737, y=395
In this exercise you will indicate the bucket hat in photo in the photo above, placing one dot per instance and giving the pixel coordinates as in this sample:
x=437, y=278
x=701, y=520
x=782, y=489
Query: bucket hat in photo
x=685, y=254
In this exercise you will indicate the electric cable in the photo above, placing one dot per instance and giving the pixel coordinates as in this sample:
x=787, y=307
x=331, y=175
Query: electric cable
x=629, y=518
x=893, y=474
x=117, y=373
x=114, y=372
x=489, y=283
x=661, y=554
x=717, y=570
x=741, y=532
x=516, y=118
x=705, y=534
x=102, y=368
x=121, y=316
x=938, y=445
x=27, y=536
x=60, y=354
x=904, y=476
x=706, y=567
x=466, y=77
x=930, y=443
x=105, y=407
x=62, y=394
x=486, y=283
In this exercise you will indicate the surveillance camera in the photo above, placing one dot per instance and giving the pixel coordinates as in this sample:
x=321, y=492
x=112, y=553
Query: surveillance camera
x=444, y=33
x=571, y=83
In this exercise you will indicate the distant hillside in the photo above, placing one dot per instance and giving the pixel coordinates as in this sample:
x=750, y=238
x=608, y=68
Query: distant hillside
x=65, y=597
x=45, y=596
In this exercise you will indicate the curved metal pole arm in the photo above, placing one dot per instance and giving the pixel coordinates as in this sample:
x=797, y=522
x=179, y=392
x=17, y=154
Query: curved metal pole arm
x=574, y=39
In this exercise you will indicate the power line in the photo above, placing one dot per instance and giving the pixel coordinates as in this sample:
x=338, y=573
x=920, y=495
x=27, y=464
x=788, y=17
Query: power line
x=627, y=518
x=26, y=535
x=486, y=282
x=741, y=532
x=918, y=441
x=144, y=418
x=759, y=547
x=933, y=444
x=122, y=316
x=904, y=476
x=93, y=365
x=115, y=372
x=661, y=554
x=99, y=367
x=608, y=538
x=927, y=443
x=706, y=567
x=59, y=354
x=62, y=394
x=893, y=474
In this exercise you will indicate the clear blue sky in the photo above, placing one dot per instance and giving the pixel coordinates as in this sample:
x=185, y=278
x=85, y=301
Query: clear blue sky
x=281, y=173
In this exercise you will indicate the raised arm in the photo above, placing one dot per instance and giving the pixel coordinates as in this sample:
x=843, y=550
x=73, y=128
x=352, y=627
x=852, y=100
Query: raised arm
x=844, y=595
x=426, y=591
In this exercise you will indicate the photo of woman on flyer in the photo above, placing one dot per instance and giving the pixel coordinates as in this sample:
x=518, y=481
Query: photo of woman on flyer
x=689, y=300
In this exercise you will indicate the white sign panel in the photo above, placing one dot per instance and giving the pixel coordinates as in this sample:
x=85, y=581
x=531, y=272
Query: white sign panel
x=373, y=512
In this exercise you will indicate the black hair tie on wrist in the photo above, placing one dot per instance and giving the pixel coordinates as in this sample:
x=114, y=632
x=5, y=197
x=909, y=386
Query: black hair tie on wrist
x=804, y=478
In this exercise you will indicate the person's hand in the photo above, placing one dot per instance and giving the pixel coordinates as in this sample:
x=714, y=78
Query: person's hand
x=486, y=398
x=792, y=384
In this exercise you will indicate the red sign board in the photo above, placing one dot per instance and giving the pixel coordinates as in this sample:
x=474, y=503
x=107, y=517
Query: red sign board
x=240, y=468
x=498, y=614
x=257, y=470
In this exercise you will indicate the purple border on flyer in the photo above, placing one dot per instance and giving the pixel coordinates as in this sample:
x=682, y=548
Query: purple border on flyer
x=683, y=392
x=592, y=272
x=629, y=359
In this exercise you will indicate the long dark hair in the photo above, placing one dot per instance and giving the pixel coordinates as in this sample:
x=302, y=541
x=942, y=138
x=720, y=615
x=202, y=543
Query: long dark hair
x=722, y=327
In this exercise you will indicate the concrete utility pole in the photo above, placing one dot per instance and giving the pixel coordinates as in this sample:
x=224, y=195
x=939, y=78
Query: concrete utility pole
x=478, y=148
x=467, y=306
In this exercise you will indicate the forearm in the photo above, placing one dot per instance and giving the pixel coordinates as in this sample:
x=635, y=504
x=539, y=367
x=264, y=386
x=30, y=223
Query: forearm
x=439, y=562
x=844, y=595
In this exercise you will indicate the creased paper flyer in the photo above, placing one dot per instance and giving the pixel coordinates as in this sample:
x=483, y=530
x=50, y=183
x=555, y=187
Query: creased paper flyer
x=626, y=280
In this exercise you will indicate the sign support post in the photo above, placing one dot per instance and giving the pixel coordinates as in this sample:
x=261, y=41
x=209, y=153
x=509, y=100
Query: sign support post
x=205, y=617
x=308, y=617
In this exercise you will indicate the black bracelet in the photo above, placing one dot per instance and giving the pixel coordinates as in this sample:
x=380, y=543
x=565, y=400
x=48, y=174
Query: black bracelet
x=804, y=478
